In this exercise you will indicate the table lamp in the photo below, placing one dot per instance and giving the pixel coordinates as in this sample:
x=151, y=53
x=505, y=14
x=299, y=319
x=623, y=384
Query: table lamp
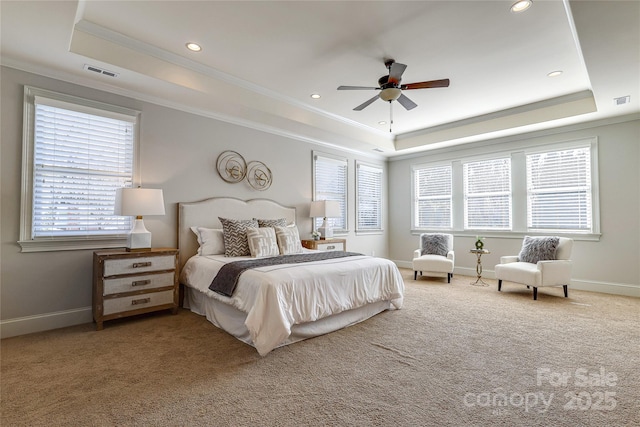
x=138, y=202
x=325, y=209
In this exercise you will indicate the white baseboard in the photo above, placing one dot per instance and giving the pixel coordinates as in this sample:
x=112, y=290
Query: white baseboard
x=45, y=322
x=578, y=284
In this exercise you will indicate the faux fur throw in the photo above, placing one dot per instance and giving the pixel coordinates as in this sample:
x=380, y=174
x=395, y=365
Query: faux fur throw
x=536, y=249
x=435, y=244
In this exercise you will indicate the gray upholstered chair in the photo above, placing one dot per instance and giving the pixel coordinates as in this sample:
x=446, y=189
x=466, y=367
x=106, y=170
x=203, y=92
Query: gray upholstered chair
x=542, y=261
x=435, y=258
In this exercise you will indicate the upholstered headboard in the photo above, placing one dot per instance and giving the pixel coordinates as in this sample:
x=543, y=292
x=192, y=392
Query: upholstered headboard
x=205, y=213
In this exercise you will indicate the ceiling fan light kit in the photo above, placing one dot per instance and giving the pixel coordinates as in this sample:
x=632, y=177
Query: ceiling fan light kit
x=391, y=89
x=390, y=94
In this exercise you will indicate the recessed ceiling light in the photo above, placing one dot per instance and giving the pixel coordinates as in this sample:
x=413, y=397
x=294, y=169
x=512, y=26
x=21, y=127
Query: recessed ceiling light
x=194, y=47
x=554, y=73
x=382, y=122
x=315, y=96
x=521, y=6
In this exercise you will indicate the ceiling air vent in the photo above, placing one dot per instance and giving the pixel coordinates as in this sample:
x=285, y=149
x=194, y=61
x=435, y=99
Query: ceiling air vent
x=622, y=100
x=99, y=70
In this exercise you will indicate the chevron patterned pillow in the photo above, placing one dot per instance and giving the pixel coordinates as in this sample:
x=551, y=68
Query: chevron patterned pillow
x=235, y=235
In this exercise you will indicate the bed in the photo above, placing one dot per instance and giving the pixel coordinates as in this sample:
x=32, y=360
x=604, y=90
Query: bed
x=276, y=305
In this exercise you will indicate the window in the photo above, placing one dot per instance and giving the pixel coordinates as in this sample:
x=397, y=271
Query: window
x=487, y=194
x=75, y=154
x=530, y=189
x=559, y=190
x=369, y=197
x=330, y=183
x=432, y=202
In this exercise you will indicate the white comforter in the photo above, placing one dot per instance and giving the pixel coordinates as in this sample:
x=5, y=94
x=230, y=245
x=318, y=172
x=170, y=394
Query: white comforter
x=276, y=298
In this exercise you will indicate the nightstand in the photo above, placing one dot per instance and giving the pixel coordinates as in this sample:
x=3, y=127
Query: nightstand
x=129, y=283
x=326, y=245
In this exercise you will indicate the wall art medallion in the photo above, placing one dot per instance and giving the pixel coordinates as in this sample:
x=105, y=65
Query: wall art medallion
x=233, y=168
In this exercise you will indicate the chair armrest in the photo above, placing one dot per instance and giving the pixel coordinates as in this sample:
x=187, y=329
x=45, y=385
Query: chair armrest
x=508, y=259
x=417, y=253
x=555, y=272
x=452, y=256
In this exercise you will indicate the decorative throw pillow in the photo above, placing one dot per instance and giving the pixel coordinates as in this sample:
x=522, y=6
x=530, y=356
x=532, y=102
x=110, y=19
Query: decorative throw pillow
x=235, y=236
x=211, y=240
x=536, y=249
x=435, y=244
x=288, y=240
x=280, y=222
x=262, y=242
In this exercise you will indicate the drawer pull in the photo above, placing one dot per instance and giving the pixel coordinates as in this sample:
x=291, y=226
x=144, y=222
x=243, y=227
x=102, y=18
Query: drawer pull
x=331, y=247
x=140, y=301
x=140, y=282
x=141, y=264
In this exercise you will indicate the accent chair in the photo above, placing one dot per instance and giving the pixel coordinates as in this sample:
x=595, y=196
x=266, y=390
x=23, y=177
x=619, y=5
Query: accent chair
x=435, y=257
x=542, y=261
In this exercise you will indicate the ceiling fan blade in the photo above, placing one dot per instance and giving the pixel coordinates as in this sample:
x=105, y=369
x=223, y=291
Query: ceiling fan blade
x=365, y=104
x=395, y=72
x=406, y=102
x=426, y=85
x=357, y=88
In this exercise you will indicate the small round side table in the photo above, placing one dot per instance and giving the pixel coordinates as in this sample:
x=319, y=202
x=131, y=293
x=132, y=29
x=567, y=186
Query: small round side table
x=479, y=253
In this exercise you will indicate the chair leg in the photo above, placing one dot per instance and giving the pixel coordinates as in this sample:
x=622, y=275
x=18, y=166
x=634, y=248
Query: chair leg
x=448, y=277
x=535, y=293
x=566, y=290
x=499, y=285
x=415, y=275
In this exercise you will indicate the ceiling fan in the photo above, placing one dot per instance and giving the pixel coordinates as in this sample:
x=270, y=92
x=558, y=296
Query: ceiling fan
x=391, y=89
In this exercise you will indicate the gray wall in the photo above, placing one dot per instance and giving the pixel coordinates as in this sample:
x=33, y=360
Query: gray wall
x=611, y=264
x=45, y=290
x=178, y=154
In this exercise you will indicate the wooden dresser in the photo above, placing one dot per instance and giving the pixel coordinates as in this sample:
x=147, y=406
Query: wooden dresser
x=326, y=245
x=129, y=283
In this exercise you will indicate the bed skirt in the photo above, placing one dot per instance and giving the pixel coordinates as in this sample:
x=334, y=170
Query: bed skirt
x=232, y=320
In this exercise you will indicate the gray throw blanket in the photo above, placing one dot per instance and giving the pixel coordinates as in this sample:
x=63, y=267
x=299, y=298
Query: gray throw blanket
x=227, y=278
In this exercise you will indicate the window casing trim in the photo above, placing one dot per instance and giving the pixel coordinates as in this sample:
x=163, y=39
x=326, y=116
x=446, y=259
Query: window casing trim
x=27, y=243
x=338, y=160
x=519, y=225
x=374, y=169
x=414, y=212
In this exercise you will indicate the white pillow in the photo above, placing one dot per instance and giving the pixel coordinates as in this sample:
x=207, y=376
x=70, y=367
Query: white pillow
x=288, y=240
x=211, y=240
x=262, y=242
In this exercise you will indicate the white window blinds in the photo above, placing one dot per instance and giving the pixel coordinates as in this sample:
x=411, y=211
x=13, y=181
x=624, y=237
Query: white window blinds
x=432, y=203
x=487, y=194
x=559, y=190
x=330, y=183
x=81, y=155
x=369, y=197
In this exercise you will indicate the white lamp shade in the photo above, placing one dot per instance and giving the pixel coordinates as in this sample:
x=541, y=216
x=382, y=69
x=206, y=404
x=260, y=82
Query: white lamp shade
x=325, y=209
x=139, y=202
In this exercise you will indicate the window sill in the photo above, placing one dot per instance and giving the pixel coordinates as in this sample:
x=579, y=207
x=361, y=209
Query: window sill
x=589, y=237
x=369, y=232
x=71, y=244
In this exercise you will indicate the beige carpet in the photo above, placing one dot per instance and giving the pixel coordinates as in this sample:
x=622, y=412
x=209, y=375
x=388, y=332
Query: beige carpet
x=455, y=355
